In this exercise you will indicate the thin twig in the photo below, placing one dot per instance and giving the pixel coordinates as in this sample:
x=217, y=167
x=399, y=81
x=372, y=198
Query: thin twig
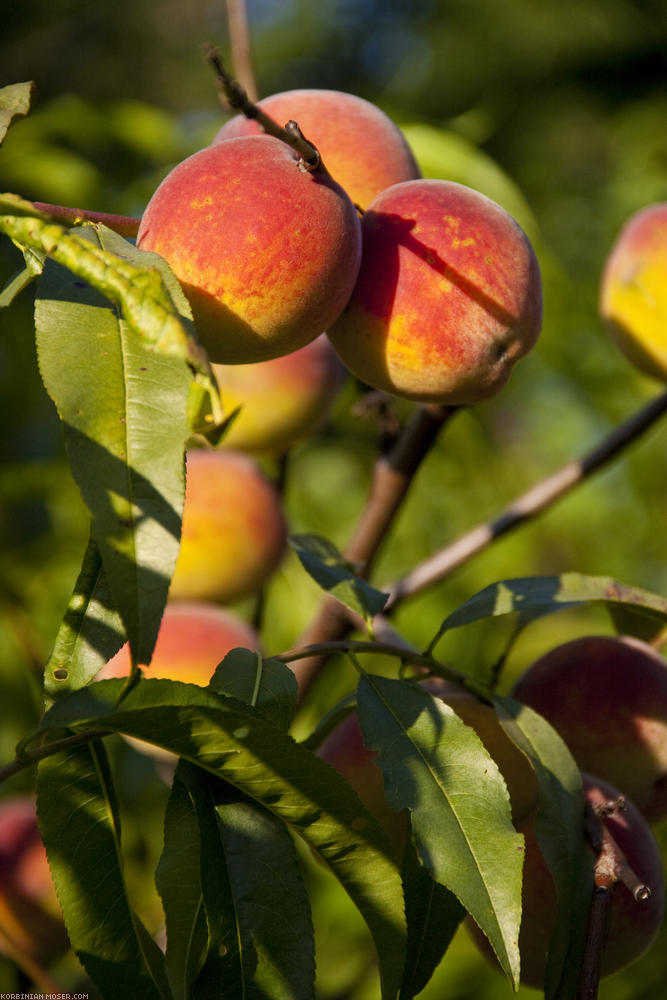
x=535, y=500
x=239, y=42
x=232, y=95
x=124, y=225
x=393, y=474
x=30, y=757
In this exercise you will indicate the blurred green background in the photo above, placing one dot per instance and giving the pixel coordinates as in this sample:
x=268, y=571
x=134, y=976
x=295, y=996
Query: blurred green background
x=558, y=110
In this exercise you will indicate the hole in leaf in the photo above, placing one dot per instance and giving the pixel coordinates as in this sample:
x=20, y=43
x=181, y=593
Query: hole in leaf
x=61, y=674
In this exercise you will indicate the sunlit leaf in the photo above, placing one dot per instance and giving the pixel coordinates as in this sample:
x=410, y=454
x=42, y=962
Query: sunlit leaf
x=266, y=684
x=236, y=743
x=79, y=822
x=437, y=767
x=14, y=103
x=322, y=560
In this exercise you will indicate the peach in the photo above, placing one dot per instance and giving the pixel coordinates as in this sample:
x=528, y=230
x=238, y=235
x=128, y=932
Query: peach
x=193, y=638
x=633, y=293
x=607, y=697
x=360, y=145
x=234, y=531
x=267, y=252
x=632, y=925
x=31, y=923
x=448, y=297
x=281, y=401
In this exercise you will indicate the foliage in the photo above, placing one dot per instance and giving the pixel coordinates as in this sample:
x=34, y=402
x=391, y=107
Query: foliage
x=247, y=797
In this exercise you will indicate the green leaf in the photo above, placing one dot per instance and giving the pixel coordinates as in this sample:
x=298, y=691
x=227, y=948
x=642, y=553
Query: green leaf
x=90, y=633
x=322, y=560
x=258, y=913
x=433, y=914
x=78, y=819
x=266, y=684
x=437, y=767
x=533, y=596
x=179, y=882
x=14, y=103
x=123, y=405
x=236, y=743
x=559, y=825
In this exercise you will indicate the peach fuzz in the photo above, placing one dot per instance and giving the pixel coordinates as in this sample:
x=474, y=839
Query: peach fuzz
x=448, y=297
x=31, y=923
x=193, y=638
x=607, y=697
x=633, y=292
x=234, y=531
x=266, y=251
x=360, y=145
x=281, y=401
x=632, y=924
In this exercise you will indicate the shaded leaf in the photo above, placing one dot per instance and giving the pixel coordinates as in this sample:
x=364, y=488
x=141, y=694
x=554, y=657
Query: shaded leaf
x=90, y=633
x=266, y=684
x=333, y=573
x=433, y=914
x=14, y=103
x=437, y=767
x=179, y=883
x=534, y=596
x=79, y=823
x=559, y=826
x=124, y=410
x=260, y=931
x=235, y=742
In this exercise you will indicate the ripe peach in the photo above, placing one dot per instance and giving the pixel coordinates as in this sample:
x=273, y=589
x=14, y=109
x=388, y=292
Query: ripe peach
x=344, y=749
x=633, y=293
x=632, y=925
x=448, y=297
x=360, y=145
x=607, y=697
x=283, y=400
x=193, y=638
x=31, y=924
x=234, y=531
x=267, y=252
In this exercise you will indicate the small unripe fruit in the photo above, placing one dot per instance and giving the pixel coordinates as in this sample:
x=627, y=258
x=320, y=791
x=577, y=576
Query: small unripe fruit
x=448, y=297
x=633, y=293
x=281, y=401
x=234, y=531
x=360, y=145
x=607, y=697
x=31, y=923
x=266, y=251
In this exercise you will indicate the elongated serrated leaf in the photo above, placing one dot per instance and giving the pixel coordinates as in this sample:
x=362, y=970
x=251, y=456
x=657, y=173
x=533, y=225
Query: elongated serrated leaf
x=261, y=943
x=236, y=743
x=322, y=560
x=437, y=767
x=124, y=410
x=14, y=103
x=266, y=684
x=533, y=596
x=559, y=825
x=433, y=914
x=179, y=883
x=90, y=633
x=79, y=823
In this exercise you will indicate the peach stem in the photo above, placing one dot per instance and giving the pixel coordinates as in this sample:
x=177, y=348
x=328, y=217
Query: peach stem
x=124, y=225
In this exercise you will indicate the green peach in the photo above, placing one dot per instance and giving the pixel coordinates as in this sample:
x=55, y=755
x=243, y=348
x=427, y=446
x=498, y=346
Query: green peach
x=448, y=297
x=234, y=531
x=360, y=145
x=266, y=251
